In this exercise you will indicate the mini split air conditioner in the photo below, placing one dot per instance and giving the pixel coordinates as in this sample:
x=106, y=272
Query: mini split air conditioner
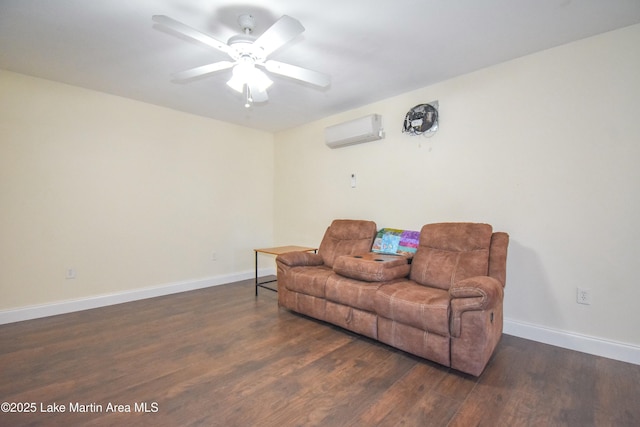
x=364, y=129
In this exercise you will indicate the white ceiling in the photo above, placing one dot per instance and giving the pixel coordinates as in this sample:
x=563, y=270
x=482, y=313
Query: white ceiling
x=372, y=49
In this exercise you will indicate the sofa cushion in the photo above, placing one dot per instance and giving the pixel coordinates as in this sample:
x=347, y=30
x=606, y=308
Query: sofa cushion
x=351, y=292
x=346, y=237
x=372, y=267
x=309, y=280
x=450, y=252
x=412, y=304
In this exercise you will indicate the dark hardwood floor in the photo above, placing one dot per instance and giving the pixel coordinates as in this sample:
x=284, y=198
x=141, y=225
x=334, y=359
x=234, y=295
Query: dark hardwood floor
x=223, y=357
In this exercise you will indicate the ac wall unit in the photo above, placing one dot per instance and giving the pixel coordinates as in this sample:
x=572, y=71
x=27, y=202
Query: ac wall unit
x=364, y=129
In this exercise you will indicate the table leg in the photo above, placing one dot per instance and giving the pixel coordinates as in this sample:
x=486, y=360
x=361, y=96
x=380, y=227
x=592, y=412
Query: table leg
x=256, y=272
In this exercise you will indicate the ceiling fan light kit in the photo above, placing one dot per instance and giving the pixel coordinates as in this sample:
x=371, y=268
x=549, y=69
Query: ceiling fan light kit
x=249, y=81
x=247, y=53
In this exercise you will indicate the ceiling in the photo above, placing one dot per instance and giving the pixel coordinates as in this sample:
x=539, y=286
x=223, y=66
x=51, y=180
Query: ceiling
x=372, y=49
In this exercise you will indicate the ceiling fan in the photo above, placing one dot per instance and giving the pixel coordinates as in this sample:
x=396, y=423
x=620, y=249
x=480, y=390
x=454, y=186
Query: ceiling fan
x=247, y=53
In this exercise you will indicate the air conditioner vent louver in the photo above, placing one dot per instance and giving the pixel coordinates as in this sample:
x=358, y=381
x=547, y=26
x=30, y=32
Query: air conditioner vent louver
x=364, y=129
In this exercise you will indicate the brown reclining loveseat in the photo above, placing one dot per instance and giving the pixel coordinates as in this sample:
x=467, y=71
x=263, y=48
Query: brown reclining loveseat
x=444, y=304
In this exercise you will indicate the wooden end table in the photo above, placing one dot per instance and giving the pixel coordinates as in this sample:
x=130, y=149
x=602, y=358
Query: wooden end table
x=277, y=251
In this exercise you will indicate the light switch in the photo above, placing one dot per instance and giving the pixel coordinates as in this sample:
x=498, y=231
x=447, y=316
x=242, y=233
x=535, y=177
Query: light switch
x=353, y=180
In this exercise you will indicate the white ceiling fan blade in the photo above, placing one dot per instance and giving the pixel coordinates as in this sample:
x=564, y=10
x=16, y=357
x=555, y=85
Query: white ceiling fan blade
x=202, y=71
x=191, y=32
x=284, y=30
x=298, y=73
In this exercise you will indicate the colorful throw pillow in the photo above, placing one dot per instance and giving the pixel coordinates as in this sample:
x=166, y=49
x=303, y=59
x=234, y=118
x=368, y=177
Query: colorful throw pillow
x=395, y=241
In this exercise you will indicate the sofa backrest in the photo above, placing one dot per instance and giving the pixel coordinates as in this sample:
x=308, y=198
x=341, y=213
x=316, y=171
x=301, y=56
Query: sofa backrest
x=498, y=256
x=346, y=237
x=450, y=252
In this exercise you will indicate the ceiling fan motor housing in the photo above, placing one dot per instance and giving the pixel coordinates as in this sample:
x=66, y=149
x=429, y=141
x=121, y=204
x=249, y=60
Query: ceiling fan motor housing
x=243, y=47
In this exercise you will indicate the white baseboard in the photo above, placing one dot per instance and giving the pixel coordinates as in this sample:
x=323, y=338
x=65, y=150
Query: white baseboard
x=586, y=344
x=69, y=306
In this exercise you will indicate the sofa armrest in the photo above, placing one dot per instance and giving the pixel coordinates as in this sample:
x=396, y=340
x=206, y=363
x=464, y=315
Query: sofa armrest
x=299, y=259
x=474, y=293
x=372, y=267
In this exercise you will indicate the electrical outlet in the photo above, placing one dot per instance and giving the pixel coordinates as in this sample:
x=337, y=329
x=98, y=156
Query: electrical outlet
x=71, y=273
x=214, y=256
x=583, y=296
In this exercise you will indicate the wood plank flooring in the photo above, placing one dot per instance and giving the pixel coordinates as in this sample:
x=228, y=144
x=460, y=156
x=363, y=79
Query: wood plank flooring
x=223, y=357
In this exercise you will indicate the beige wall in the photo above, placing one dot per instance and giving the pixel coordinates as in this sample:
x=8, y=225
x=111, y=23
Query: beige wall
x=132, y=195
x=128, y=194
x=545, y=147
